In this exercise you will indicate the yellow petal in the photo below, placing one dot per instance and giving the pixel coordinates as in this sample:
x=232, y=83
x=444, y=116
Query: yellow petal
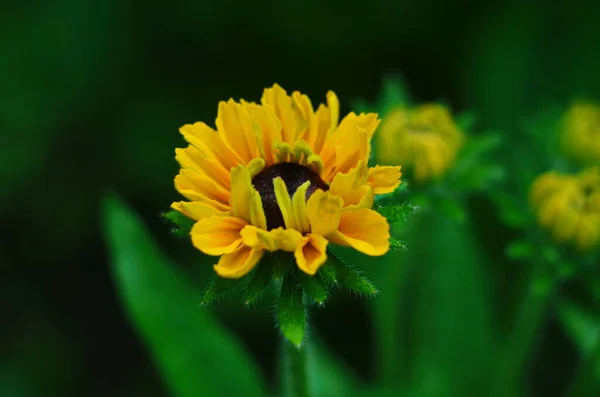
x=565, y=224
x=323, y=210
x=267, y=129
x=333, y=104
x=352, y=148
x=352, y=187
x=233, y=124
x=587, y=233
x=384, y=179
x=284, y=202
x=277, y=239
x=217, y=235
x=193, y=159
x=245, y=200
x=257, y=213
x=366, y=121
x=281, y=103
x=255, y=237
x=210, y=143
x=364, y=230
x=196, y=210
x=326, y=119
x=198, y=187
x=311, y=254
x=299, y=208
x=238, y=263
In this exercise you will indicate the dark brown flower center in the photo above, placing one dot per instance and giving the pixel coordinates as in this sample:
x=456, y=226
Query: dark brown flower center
x=293, y=175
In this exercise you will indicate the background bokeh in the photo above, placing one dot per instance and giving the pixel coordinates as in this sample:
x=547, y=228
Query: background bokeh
x=92, y=94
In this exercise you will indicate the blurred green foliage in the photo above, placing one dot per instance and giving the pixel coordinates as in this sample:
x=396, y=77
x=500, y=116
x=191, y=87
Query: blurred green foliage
x=92, y=94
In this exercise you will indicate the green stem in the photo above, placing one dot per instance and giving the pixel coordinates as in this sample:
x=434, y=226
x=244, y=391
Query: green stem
x=295, y=375
x=521, y=341
x=586, y=380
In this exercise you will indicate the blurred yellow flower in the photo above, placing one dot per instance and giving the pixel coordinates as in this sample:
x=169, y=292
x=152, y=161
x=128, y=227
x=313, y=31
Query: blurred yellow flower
x=581, y=132
x=569, y=206
x=281, y=176
x=424, y=139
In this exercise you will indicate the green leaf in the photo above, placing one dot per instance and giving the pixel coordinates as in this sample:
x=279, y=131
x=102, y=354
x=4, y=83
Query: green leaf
x=291, y=314
x=195, y=355
x=425, y=290
x=260, y=281
x=520, y=250
x=581, y=326
x=352, y=279
x=584, y=329
x=182, y=225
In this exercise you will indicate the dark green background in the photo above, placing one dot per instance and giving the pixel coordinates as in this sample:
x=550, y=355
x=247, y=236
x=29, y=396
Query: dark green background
x=92, y=94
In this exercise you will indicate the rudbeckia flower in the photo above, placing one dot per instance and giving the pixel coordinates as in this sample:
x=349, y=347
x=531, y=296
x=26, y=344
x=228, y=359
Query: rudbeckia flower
x=424, y=139
x=281, y=176
x=569, y=206
x=581, y=132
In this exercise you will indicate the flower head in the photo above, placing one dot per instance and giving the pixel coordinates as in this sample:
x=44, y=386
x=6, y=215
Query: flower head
x=569, y=206
x=281, y=176
x=424, y=138
x=581, y=132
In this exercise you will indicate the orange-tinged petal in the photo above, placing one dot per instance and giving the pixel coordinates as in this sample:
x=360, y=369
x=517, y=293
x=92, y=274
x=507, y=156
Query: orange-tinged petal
x=281, y=103
x=217, y=235
x=364, y=230
x=233, y=124
x=311, y=253
x=384, y=179
x=352, y=187
x=196, y=210
x=192, y=158
x=327, y=120
x=210, y=143
x=267, y=129
x=238, y=263
x=198, y=187
x=352, y=148
x=323, y=210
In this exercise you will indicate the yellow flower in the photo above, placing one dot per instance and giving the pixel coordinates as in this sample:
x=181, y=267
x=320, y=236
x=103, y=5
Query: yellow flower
x=424, y=138
x=569, y=205
x=581, y=132
x=281, y=176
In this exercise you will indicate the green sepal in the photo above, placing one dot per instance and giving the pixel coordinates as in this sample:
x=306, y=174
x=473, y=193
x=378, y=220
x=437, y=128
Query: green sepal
x=181, y=224
x=395, y=213
x=328, y=274
x=315, y=289
x=260, y=281
x=352, y=279
x=219, y=288
x=291, y=314
x=397, y=245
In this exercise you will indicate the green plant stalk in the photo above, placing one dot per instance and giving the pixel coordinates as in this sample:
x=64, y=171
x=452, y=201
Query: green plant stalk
x=521, y=341
x=295, y=369
x=586, y=380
